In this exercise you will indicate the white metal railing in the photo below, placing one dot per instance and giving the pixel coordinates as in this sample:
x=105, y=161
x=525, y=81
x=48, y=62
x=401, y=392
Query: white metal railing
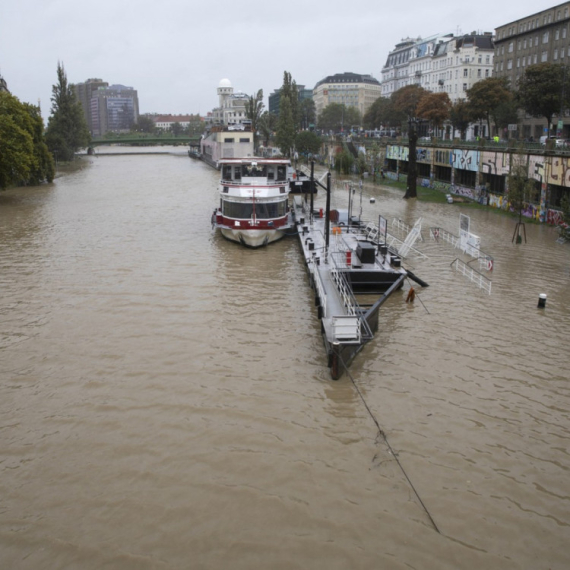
x=344, y=291
x=403, y=227
x=486, y=261
x=473, y=275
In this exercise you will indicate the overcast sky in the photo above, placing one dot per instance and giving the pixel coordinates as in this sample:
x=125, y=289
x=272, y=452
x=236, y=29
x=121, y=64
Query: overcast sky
x=175, y=52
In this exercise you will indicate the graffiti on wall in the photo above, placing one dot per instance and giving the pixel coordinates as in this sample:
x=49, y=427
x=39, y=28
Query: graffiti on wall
x=466, y=159
x=559, y=171
x=495, y=162
x=536, y=167
x=554, y=217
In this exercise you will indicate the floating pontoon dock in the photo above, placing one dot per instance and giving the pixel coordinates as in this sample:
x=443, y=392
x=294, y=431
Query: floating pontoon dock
x=342, y=262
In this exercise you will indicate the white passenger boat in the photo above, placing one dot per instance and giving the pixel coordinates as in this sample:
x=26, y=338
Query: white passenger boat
x=254, y=200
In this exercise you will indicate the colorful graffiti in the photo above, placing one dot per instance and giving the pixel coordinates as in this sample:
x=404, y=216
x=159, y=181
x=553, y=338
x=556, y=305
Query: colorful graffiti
x=466, y=159
x=493, y=162
x=554, y=217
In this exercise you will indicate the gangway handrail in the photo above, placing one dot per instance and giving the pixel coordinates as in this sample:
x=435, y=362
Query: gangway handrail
x=486, y=261
x=472, y=274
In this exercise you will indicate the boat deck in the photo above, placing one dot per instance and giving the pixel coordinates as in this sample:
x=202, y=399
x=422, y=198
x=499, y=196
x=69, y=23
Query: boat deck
x=355, y=263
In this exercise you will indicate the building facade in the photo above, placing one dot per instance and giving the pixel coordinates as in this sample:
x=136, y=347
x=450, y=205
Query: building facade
x=231, y=109
x=274, y=98
x=84, y=92
x=349, y=89
x=543, y=37
x=114, y=109
x=440, y=64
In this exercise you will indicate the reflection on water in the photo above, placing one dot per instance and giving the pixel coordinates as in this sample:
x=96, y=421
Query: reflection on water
x=164, y=395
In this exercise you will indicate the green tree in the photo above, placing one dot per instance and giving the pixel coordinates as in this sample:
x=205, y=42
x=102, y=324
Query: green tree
x=67, y=130
x=195, y=125
x=344, y=161
x=308, y=142
x=406, y=100
x=544, y=90
x=288, y=121
x=460, y=117
x=43, y=167
x=176, y=128
x=285, y=136
x=486, y=95
x=267, y=126
x=16, y=141
x=308, y=113
x=253, y=111
x=382, y=114
x=145, y=124
x=337, y=117
x=505, y=114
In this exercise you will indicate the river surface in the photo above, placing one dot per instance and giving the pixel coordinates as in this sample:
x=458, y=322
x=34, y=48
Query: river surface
x=165, y=400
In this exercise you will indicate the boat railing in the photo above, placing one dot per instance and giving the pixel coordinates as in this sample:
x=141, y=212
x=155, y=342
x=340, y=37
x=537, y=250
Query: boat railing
x=486, y=261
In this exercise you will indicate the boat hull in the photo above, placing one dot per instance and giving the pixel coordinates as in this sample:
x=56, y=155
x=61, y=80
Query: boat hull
x=253, y=238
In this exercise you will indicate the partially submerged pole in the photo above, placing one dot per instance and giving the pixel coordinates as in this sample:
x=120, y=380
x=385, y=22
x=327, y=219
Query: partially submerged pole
x=327, y=217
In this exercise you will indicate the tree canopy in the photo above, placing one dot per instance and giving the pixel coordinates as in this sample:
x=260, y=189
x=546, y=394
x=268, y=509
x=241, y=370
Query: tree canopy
x=24, y=158
x=434, y=107
x=544, y=90
x=288, y=121
x=486, y=95
x=460, y=116
x=308, y=142
x=382, y=114
x=67, y=130
x=253, y=110
x=337, y=117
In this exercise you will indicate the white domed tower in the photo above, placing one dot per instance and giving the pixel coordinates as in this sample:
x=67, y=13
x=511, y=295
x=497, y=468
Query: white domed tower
x=225, y=90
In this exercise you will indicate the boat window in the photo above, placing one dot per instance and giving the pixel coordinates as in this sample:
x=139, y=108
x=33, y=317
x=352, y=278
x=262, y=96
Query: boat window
x=253, y=170
x=263, y=210
x=237, y=172
x=227, y=172
x=281, y=172
x=229, y=140
x=244, y=140
x=270, y=173
x=240, y=211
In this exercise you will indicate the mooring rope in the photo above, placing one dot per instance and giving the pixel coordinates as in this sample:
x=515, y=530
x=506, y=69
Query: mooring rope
x=383, y=434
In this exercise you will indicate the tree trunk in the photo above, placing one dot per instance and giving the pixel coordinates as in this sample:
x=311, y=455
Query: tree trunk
x=411, y=190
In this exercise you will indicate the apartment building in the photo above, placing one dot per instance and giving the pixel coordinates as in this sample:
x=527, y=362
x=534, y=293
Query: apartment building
x=543, y=37
x=349, y=89
x=84, y=91
x=440, y=64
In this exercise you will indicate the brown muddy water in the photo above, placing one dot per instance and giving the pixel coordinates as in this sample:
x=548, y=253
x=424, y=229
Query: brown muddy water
x=165, y=400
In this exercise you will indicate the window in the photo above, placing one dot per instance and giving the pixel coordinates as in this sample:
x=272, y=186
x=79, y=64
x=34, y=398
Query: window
x=486, y=73
x=544, y=56
x=557, y=35
x=555, y=54
x=465, y=73
x=510, y=64
x=561, y=53
x=488, y=59
x=563, y=33
x=545, y=38
x=229, y=140
x=511, y=47
x=465, y=87
x=478, y=73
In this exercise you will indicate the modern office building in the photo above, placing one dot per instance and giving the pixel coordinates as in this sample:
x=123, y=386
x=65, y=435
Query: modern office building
x=114, y=108
x=543, y=37
x=349, y=89
x=275, y=98
x=84, y=93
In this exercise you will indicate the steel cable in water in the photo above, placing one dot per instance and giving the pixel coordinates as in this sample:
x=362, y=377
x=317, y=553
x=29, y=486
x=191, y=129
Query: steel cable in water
x=383, y=434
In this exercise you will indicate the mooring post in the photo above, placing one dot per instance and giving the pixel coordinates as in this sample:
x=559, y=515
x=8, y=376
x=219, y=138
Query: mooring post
x=312, y=189
x=327, y=217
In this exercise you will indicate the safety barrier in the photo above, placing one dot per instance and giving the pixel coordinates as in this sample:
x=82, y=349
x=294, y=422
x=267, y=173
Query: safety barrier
x=472, y=274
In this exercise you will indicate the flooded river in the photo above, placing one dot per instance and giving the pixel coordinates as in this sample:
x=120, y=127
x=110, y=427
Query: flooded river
x=165, y=401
